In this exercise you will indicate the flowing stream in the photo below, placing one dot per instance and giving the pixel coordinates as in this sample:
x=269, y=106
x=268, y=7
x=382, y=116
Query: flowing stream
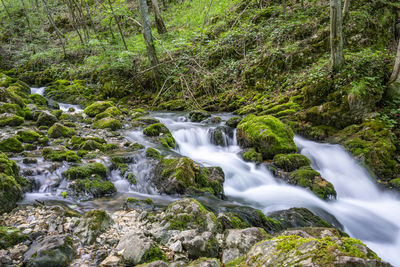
x=362, y=209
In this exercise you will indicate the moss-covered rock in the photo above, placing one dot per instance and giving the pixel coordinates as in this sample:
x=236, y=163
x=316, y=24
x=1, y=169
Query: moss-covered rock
x=156, y=129
x=85, y=171
x=11, y=108
x=109, y=112
x=7, y=119
x=11, y=144
x=97, y=108
x=39, y=100
x=233, y=122
x=58, y=130
x=28, y=136
x=309, y=178
x=107, y=123
x=91, y=145
x=9, y=97
x=46, y=119
x=319, y=246
x=252, y=155
x=71, y=92
x=267, y=134
x=9, y=237
x=144, y=121
x=291, y=162
x=92, y=224
x=199, y=115
x=153, y=153
x=184, y=176
x=92, y=187
x=60, y=155
x=10, y=192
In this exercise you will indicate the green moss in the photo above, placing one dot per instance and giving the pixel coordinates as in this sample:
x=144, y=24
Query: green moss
x=154, y=254
x=107, y=123
x=28, y=136
x=94, y=186
x=252, y=155
x=131, y=178
x=38, y=100
x=156, y=129
x=198, y=115
x=97, y=107
x=11, y=144
x=144, y=122
x=91, y=145
x=11, y=108
x=291, y=162
x=233, y=122
x=85, y=171
x=267, y=134
x=167, y=140
x=56, y=155
x=395, y=182
x=71, y=92
x=57, y=113
x=10, y=192
x=58, y=130
x=109, y=112
x=153, y=153
x=149, y=201
x=9, y=237
x=311, y=179
x=10, y=120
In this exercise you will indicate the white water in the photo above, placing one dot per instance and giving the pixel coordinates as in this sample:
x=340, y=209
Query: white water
x=361, y=207
x=63, y=106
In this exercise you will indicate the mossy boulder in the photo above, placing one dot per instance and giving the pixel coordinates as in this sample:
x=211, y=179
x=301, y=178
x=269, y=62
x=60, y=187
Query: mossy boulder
x=10, y=192
x=58, y=130
x=92, y=187
x=60, y=155
x=233, y=122
x=11, y=144
x=91, y=145
x=86, y=171
x=71, y=92
x=252, y=155
x=39, y=100
x=267, y=134
x=144, y=121
x=7, y=119
x=77, y=142
x=184, y=176
x=28, y=136
x=109, y=112
x=309, y=178
x=188, y=213
x=316, y=246
x=11, y=108
x=9, y=97
x=107, y=123
x=199, y=115
x=291, y=162
x=153, y=153
x=46, y=119
x=97, y=108
x=156, y=129
x=9, y=237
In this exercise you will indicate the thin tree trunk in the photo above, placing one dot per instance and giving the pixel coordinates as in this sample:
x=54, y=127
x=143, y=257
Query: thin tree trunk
x=336, y=36
x=59, y=34
x=346, y=8
x=27, y=19
x=395, y=77
x=148, y=39
x=82, y=20
x=74, y=20
x=95, y=30
x=119, y=26
x=159, y=20
x=6, y=9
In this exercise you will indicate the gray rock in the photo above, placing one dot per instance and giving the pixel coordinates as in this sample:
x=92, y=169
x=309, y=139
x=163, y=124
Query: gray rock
x=54, y=250
x=52, y=104
x=133, y=247
x=239, y=241
x=92, y=225
x=205, y=263
x=46, y=119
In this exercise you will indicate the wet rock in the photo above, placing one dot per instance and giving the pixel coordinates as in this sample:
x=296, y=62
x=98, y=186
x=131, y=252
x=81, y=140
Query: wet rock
x=143, y=250
x=238, y=242
x=58, y=130
x=53, y=104
x=107, y=123
x=233, y=122
x=28, y=135
x=291, y=162
x=56, y=250
x=8, y=119
x=46, y=119
x=92, y=224
x=11, y=144
x=92, y=187
x=153, y=153
x=199, y=115
x=85, y=171
x=184, y=176
x=10, y=184
x=219, y=136
x=252, y=155
x=97, y=107
x=136, y=204
x=144, y=121
x=267, y=134
x=298, y=217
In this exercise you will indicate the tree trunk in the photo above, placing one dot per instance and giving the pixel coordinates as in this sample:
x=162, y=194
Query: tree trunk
x=346, y=8
x=59, y=34
x=395, y=77
x=148, y=39
x=74, y=21
x=27, y=19
x=119, y=26
x=159, y=20
x=336, y=36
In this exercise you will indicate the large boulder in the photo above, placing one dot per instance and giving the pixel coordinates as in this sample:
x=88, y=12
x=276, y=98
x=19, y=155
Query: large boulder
x=10, y=184
x=267, y=134
x=11, y=144
x=97, y=108
x=58, y=130
x=199, y=115
x=107, y=123
x=55, y=250
x=92, y=224
x=184, y=176
x=291, y=162
x=46, y=119
x=8, y=119
x=310, y=247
